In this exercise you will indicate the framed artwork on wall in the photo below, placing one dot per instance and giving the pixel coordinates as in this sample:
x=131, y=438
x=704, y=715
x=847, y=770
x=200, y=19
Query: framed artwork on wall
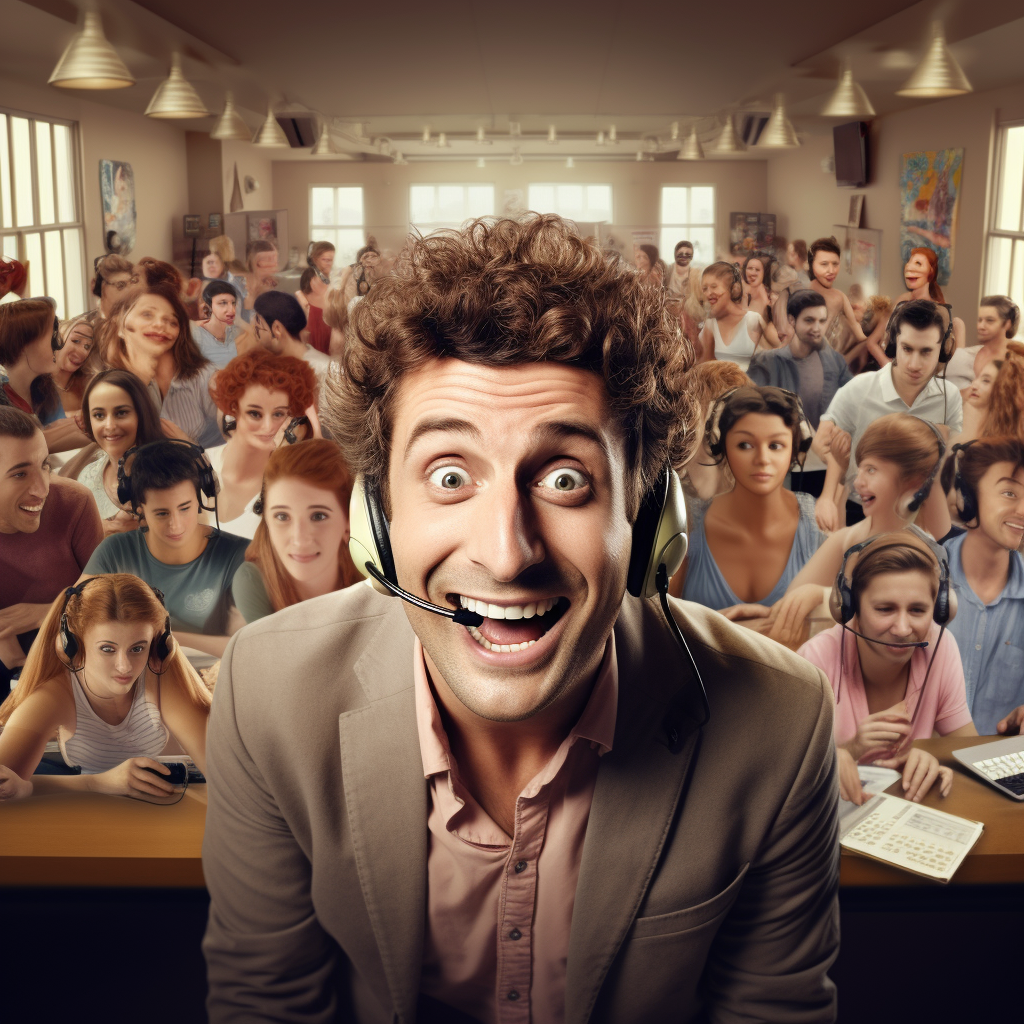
x=117, y=192
x=929, y=204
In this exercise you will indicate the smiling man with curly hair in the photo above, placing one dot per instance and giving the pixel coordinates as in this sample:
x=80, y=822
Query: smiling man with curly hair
x=525, y=814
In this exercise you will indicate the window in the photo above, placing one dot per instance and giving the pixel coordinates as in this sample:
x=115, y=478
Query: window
x=432, y=207
x=688, y=214
x=584, y=204
x=336, y=216
x=1004, y=263
x=40, y=223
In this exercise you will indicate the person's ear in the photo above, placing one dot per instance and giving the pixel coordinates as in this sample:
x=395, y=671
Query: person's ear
x=792, y=320
x=277, y=330
x=158, y=665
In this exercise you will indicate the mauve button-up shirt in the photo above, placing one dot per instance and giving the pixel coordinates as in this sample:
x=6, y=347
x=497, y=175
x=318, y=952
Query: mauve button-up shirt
x=498, y=909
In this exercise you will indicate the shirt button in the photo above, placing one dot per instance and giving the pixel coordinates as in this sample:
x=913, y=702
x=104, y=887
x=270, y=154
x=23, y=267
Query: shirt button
x=513, y=995
x=515, y=935
x=977, y=647
x=520, y=866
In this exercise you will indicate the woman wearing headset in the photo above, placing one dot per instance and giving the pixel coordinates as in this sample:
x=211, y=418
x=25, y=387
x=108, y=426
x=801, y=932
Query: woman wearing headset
x=897, y=461
x=730, y=331
x=300, y=547
x=313, y=287
x=890, y=687
x=263, y=393
x=746, y=545
x=117, y=414
x=108, y=678
x=74, y=363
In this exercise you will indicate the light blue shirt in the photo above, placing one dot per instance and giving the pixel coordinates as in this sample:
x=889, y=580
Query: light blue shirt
x=991, y=641
x=220, y=353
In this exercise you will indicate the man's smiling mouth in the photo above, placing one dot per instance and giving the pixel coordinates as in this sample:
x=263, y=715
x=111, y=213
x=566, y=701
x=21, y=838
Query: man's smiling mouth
x=508, y=628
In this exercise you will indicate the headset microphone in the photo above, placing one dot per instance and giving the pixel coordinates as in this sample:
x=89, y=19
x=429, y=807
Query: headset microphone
x=463, y=616
x=885, y=643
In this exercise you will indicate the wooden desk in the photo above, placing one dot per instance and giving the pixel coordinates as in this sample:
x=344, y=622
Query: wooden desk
x=998, y=857
x=88, y=840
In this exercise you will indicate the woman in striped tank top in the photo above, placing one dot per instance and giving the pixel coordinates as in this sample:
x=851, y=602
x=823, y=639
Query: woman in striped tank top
x=108, y=678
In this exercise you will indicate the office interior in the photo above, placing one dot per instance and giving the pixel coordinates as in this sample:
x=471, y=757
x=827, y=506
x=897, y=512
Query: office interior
x=484, y=106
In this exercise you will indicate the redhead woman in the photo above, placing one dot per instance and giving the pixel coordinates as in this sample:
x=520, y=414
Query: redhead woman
x=151, y=336
x=263, y=394
x=888, y=690
x=300, y=548
x=115, y=688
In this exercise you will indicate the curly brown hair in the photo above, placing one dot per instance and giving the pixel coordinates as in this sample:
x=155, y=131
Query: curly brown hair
x=506, y=292
x=294, y=377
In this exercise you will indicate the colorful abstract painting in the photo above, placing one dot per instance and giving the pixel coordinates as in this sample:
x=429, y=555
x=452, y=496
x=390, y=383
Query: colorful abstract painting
x=930, y=197
x=117, y=190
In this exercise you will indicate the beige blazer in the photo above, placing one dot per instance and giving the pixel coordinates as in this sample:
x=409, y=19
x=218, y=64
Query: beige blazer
x=708, y=884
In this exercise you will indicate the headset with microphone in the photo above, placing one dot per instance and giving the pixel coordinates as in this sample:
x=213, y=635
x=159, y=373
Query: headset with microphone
x=966, y=499
x=658, y=548
x=925, y=489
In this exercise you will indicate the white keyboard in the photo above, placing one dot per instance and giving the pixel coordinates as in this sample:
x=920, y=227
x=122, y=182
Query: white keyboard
x=1003, y=767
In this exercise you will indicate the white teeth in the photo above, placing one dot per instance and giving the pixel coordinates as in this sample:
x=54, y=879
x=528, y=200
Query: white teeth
x=500, y=648
x=31, y=508
x=512, y=611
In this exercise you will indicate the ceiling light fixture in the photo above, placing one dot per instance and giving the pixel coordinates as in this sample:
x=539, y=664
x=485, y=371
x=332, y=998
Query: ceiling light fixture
x=728, y=141
x=442, y=141
x=517, y=158
x=848, y=99
x=90, y=62
x=270, y=135
x=385, y=147
x=175, y=97
x=515, y=128
x=691, y=148
x=481, y=137
x=613, y=136
x=600, y=138
x=673, y=131
x=426, y=135
x=639, y=155
x=324, y=146
x=398, y=158
x=938, y=75
x=570, y=163
x=231, y=124
x=552, y=135
x=779, y=132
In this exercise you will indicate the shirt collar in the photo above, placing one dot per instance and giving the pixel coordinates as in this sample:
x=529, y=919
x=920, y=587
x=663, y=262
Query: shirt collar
x=1014, y=588
x=890, y=394
x=596, y=724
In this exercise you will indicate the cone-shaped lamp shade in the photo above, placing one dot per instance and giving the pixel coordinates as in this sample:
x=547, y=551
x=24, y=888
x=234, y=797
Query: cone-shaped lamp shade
x=691, y=147
x=230, y=125
x=729, y=141
x=270, y=134
x=938, y=75
x=174, y=97
x=324, y=146
x=849, y=99
x=90, y=62
x=778, y=133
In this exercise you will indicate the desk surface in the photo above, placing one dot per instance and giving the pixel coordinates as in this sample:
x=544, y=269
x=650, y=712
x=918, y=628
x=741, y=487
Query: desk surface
x=90, y=840
x=998, y=857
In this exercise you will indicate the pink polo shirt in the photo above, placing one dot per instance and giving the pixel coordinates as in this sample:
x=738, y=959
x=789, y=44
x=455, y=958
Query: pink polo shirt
x=943, y=703
x=499, y=910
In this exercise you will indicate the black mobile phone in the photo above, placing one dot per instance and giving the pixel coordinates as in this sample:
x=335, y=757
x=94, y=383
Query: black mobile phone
x=178, y=769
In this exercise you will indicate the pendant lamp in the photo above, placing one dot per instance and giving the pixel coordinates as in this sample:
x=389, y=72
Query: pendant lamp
x=90, y=62
x=270, y=135
x=729, y=141
x=230, y=124
x=938, y=75
x=849, y=99
x=691, y=148
x=324, y=146
x=778, y=133
x=175, y=97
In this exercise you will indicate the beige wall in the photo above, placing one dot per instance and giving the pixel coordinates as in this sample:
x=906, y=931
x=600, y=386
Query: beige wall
x=254, y=161
x=741, y=186
x=809, y=203
x=155, y=149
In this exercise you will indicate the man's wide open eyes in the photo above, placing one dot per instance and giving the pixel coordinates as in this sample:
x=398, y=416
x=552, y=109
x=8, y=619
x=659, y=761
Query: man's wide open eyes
x=450, y=478
x=564, y=480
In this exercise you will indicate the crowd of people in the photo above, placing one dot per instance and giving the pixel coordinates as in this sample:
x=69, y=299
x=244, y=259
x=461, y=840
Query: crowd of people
x=180, y=461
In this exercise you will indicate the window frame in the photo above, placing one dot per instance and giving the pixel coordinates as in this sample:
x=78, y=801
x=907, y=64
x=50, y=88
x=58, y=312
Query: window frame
x=685, y=230
x=36, y=227
x=992, y=229
x=313, y=228
x=580, y=184
x=422, y=230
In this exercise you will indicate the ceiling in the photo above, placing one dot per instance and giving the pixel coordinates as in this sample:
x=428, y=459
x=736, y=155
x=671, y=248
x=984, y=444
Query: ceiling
x=388, y=70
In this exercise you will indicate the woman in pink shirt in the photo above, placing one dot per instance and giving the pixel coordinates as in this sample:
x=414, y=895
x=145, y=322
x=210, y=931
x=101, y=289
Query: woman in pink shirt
x=898, y=677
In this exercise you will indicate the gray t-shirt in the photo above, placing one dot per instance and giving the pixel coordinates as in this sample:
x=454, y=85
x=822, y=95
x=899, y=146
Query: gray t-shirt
x=198, y=594
x=812, y=386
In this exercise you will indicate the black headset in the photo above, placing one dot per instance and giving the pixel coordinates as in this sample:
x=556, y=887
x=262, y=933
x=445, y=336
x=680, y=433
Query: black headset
x=896, y=322
x=925, y=489
x=968, y=500
x=71, y=645
x=207, y=485
x=841, y=602
x=289, y=438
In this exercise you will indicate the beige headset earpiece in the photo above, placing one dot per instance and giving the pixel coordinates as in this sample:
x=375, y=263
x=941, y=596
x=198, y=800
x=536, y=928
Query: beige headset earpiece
x=669, y=541
x=361, y=543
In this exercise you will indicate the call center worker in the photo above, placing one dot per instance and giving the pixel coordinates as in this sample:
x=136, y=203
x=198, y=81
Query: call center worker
x=541, y=780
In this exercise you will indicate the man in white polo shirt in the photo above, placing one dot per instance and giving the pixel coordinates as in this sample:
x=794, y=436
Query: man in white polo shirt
x=919, y=345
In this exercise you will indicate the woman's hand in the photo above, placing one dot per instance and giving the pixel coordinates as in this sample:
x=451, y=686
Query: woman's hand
x=12, y=785
x=850, y=787
x=740, y=612
x=880, y=736
x=789, y=614
x=920, y=770
x=130, y=778
x=826, y=514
